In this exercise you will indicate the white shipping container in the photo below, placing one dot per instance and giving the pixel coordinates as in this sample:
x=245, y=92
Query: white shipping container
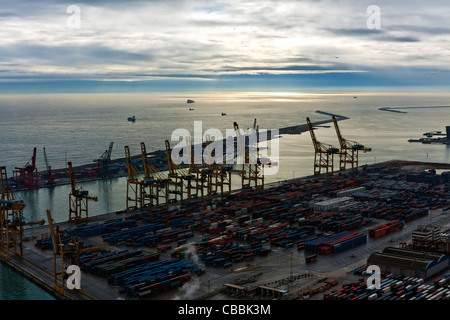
x=373, y=296
x=349, y=191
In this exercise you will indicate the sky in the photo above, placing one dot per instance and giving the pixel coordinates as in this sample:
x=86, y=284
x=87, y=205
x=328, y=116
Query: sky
x=182, y=45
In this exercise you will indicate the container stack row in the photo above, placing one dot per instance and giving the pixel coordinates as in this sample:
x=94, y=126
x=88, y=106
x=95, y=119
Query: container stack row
x=335, y=243
x=394, y=287
x=47, y=243
x=94, y=229
x=138, y=273
x=385, y=228
x=153, y=276
x=147, y=235
x=97, y=262
x=337, y=221
x=343, y=243
x=428, y=177
x=224, y=253
x=110, y=268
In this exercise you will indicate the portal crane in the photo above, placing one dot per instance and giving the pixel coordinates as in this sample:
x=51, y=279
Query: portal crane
x=219, y=174
x=134, y=183
x=11, y=218
x=252, y=172
x=154, y=185
x=27, y=176
x=69, y=254
x=349, y=150
x=56, y=242
x=199, y=181
x=50, y=179
x=181, y=179
x=324, y=153
x=104, y=163
x=78, y=199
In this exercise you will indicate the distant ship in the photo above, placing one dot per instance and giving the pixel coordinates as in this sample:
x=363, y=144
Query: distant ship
x=190, y=101
x=132, y=119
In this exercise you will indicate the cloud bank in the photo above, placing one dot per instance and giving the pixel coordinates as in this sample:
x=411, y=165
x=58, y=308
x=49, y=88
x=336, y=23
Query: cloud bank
x=213, y=40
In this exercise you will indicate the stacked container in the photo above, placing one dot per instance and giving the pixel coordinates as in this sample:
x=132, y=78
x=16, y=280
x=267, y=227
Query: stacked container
x=386, y=228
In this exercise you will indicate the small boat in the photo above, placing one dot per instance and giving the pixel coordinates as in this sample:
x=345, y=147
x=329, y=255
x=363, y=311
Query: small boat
x=190, y=109
x=190, y=101
x=224, y=114
x=132, y=119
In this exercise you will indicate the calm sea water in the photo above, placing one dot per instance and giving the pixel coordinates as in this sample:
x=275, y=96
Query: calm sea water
x=79, y=128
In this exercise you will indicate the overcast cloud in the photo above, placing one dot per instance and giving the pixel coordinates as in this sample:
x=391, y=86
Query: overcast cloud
x=136, y=40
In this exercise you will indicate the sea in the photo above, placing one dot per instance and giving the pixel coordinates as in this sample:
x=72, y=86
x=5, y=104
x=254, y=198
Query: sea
x=80, y=127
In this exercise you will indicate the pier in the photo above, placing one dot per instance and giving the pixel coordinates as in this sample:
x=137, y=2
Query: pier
x=160, y=156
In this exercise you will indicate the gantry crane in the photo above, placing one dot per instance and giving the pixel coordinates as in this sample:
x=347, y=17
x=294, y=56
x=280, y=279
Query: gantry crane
x=27, y=176
x=199, y=181
x=69, y=254
x=56, y=241
x=181, y=179
x=50, y=179
x=324, y=153
x=349, y=150
x=209, y=170
x=134, y=183
x=12, y=220
x=219, y=174
x=78, y=199
x=154, y=185
x=104, y=162
x=252, y=172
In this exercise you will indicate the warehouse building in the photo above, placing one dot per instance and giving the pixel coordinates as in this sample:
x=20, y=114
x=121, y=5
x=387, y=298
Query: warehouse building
x=408, y=262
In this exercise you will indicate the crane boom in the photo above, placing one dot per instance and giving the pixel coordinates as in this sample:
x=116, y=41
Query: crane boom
x=78, y=199
x=52, y=232
x=46, y=160
x=50, y=180
x=27, y=176
x=323, y=153
x=349, y=149
x=252, y=169
x=313, y=135
x=134, y=183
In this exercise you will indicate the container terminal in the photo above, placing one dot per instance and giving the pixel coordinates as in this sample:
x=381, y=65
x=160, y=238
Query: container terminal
x=305, y=238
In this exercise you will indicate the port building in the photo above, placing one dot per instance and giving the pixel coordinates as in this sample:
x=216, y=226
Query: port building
x=426, y=233
x=407, y=262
